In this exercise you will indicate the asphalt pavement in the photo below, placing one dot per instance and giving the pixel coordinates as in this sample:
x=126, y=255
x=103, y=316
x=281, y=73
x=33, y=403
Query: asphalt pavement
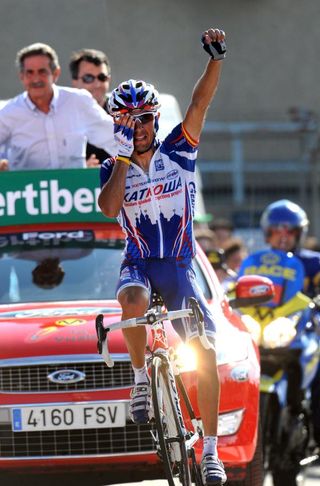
x=313, y=479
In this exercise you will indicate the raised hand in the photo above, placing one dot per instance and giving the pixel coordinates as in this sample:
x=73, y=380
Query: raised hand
x=123, y=133
x=213, y=42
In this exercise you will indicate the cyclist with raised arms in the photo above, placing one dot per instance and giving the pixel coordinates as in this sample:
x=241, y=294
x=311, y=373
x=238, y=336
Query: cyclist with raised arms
x=150, y=188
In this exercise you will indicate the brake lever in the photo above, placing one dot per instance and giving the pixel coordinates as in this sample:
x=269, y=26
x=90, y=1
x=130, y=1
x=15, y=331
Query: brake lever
x=101, y=332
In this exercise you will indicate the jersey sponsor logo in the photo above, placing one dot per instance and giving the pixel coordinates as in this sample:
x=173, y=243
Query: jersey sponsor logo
x=272, y=271
x=192, y=192
x=158, y=190
x=159, y=165
x=270, y=258
x=172, y=174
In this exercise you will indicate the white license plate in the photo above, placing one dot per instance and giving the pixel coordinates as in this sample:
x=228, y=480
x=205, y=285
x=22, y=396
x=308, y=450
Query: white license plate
x=65, y=417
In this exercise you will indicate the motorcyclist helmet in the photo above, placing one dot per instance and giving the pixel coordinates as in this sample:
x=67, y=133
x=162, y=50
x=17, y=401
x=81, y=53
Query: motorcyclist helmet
x=285, y=214
x=134, y=97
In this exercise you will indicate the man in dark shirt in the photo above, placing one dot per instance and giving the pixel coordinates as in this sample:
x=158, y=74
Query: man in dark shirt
x=90, y=70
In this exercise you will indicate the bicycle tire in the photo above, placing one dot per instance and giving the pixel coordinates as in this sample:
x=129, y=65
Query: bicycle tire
x=170, y=431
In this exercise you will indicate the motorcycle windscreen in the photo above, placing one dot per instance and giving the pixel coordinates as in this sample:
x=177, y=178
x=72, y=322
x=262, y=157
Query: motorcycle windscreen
x=284, y=269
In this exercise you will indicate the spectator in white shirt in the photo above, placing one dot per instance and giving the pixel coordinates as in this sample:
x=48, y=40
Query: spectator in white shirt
x=48, y=126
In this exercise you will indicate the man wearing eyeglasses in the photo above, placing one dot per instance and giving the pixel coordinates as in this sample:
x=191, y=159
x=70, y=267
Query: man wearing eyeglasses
x=150, y=187
x=48, y=126
x=90, y=70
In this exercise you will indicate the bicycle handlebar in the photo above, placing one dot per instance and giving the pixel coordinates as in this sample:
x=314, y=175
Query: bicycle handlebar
x=150, y=318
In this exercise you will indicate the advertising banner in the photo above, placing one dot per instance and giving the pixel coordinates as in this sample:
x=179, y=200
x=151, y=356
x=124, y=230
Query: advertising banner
x=67, y=195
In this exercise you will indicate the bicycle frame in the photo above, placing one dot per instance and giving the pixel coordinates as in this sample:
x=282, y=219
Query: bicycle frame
x=160, y=348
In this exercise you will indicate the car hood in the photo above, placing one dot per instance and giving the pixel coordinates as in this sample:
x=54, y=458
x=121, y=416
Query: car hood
x=55, y=328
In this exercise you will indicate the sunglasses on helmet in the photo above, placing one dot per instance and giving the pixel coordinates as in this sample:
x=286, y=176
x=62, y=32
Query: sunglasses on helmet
x=90, y=78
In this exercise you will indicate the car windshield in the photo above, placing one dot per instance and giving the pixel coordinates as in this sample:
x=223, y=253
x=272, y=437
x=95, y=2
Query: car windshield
x=58, y=266
x=52, y=266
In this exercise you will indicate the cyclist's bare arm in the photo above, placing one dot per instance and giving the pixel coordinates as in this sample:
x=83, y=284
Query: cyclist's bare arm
x=204, y=89
x=112, y=194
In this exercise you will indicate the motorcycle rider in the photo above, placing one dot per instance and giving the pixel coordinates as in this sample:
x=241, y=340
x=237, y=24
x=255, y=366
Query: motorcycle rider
x=285, y=226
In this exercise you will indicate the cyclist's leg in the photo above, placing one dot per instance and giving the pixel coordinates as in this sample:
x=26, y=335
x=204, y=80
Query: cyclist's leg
x=133, y=293
x=176, y=290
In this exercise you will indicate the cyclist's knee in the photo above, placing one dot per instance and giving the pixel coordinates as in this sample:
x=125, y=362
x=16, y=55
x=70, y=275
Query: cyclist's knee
x=134, y=300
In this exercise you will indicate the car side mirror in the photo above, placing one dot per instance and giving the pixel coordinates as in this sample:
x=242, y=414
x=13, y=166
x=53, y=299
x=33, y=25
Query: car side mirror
x=252, y=290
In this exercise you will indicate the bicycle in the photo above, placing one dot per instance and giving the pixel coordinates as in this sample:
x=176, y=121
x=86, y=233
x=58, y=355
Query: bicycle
x=174, y=441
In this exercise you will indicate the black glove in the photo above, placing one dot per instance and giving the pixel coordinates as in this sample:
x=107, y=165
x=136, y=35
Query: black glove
x=217, y=50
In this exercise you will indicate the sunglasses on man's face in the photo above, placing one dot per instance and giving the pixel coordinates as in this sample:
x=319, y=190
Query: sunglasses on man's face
x=90, y=78
x=144, y=118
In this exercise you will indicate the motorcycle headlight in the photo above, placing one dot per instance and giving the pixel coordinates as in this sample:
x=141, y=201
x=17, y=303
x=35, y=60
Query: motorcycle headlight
x=279, y=333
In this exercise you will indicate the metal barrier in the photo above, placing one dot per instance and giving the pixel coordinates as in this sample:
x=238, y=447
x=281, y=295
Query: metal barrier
x=302, y=132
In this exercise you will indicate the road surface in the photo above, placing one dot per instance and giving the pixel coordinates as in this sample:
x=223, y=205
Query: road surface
x=313, y=479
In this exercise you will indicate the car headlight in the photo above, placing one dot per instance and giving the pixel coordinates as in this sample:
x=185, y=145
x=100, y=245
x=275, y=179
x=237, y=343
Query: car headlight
x=184, y=358
x=229, y=423
x=228, y=349
x=253, y=327
x=279, y=333
x=231, y=348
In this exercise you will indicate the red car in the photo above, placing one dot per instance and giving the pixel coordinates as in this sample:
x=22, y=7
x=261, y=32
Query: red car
x=62, y=411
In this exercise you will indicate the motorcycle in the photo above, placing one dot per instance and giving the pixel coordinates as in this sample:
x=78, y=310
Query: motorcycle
x=285, y=325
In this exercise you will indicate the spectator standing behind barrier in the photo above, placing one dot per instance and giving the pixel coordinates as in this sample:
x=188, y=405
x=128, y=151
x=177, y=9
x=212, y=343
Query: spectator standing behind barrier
x=225, y=260
x=223, y=229
x=90, y=70
x=206, y=238
x=47, y=126
x=235, y=251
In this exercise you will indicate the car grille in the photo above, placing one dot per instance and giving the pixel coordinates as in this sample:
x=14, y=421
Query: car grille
x=34, y=378
x=129, y=439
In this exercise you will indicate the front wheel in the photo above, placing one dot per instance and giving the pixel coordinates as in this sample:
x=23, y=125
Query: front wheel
x=169, y=425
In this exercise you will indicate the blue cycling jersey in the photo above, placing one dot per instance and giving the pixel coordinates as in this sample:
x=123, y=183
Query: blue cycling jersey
x=158, y=206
